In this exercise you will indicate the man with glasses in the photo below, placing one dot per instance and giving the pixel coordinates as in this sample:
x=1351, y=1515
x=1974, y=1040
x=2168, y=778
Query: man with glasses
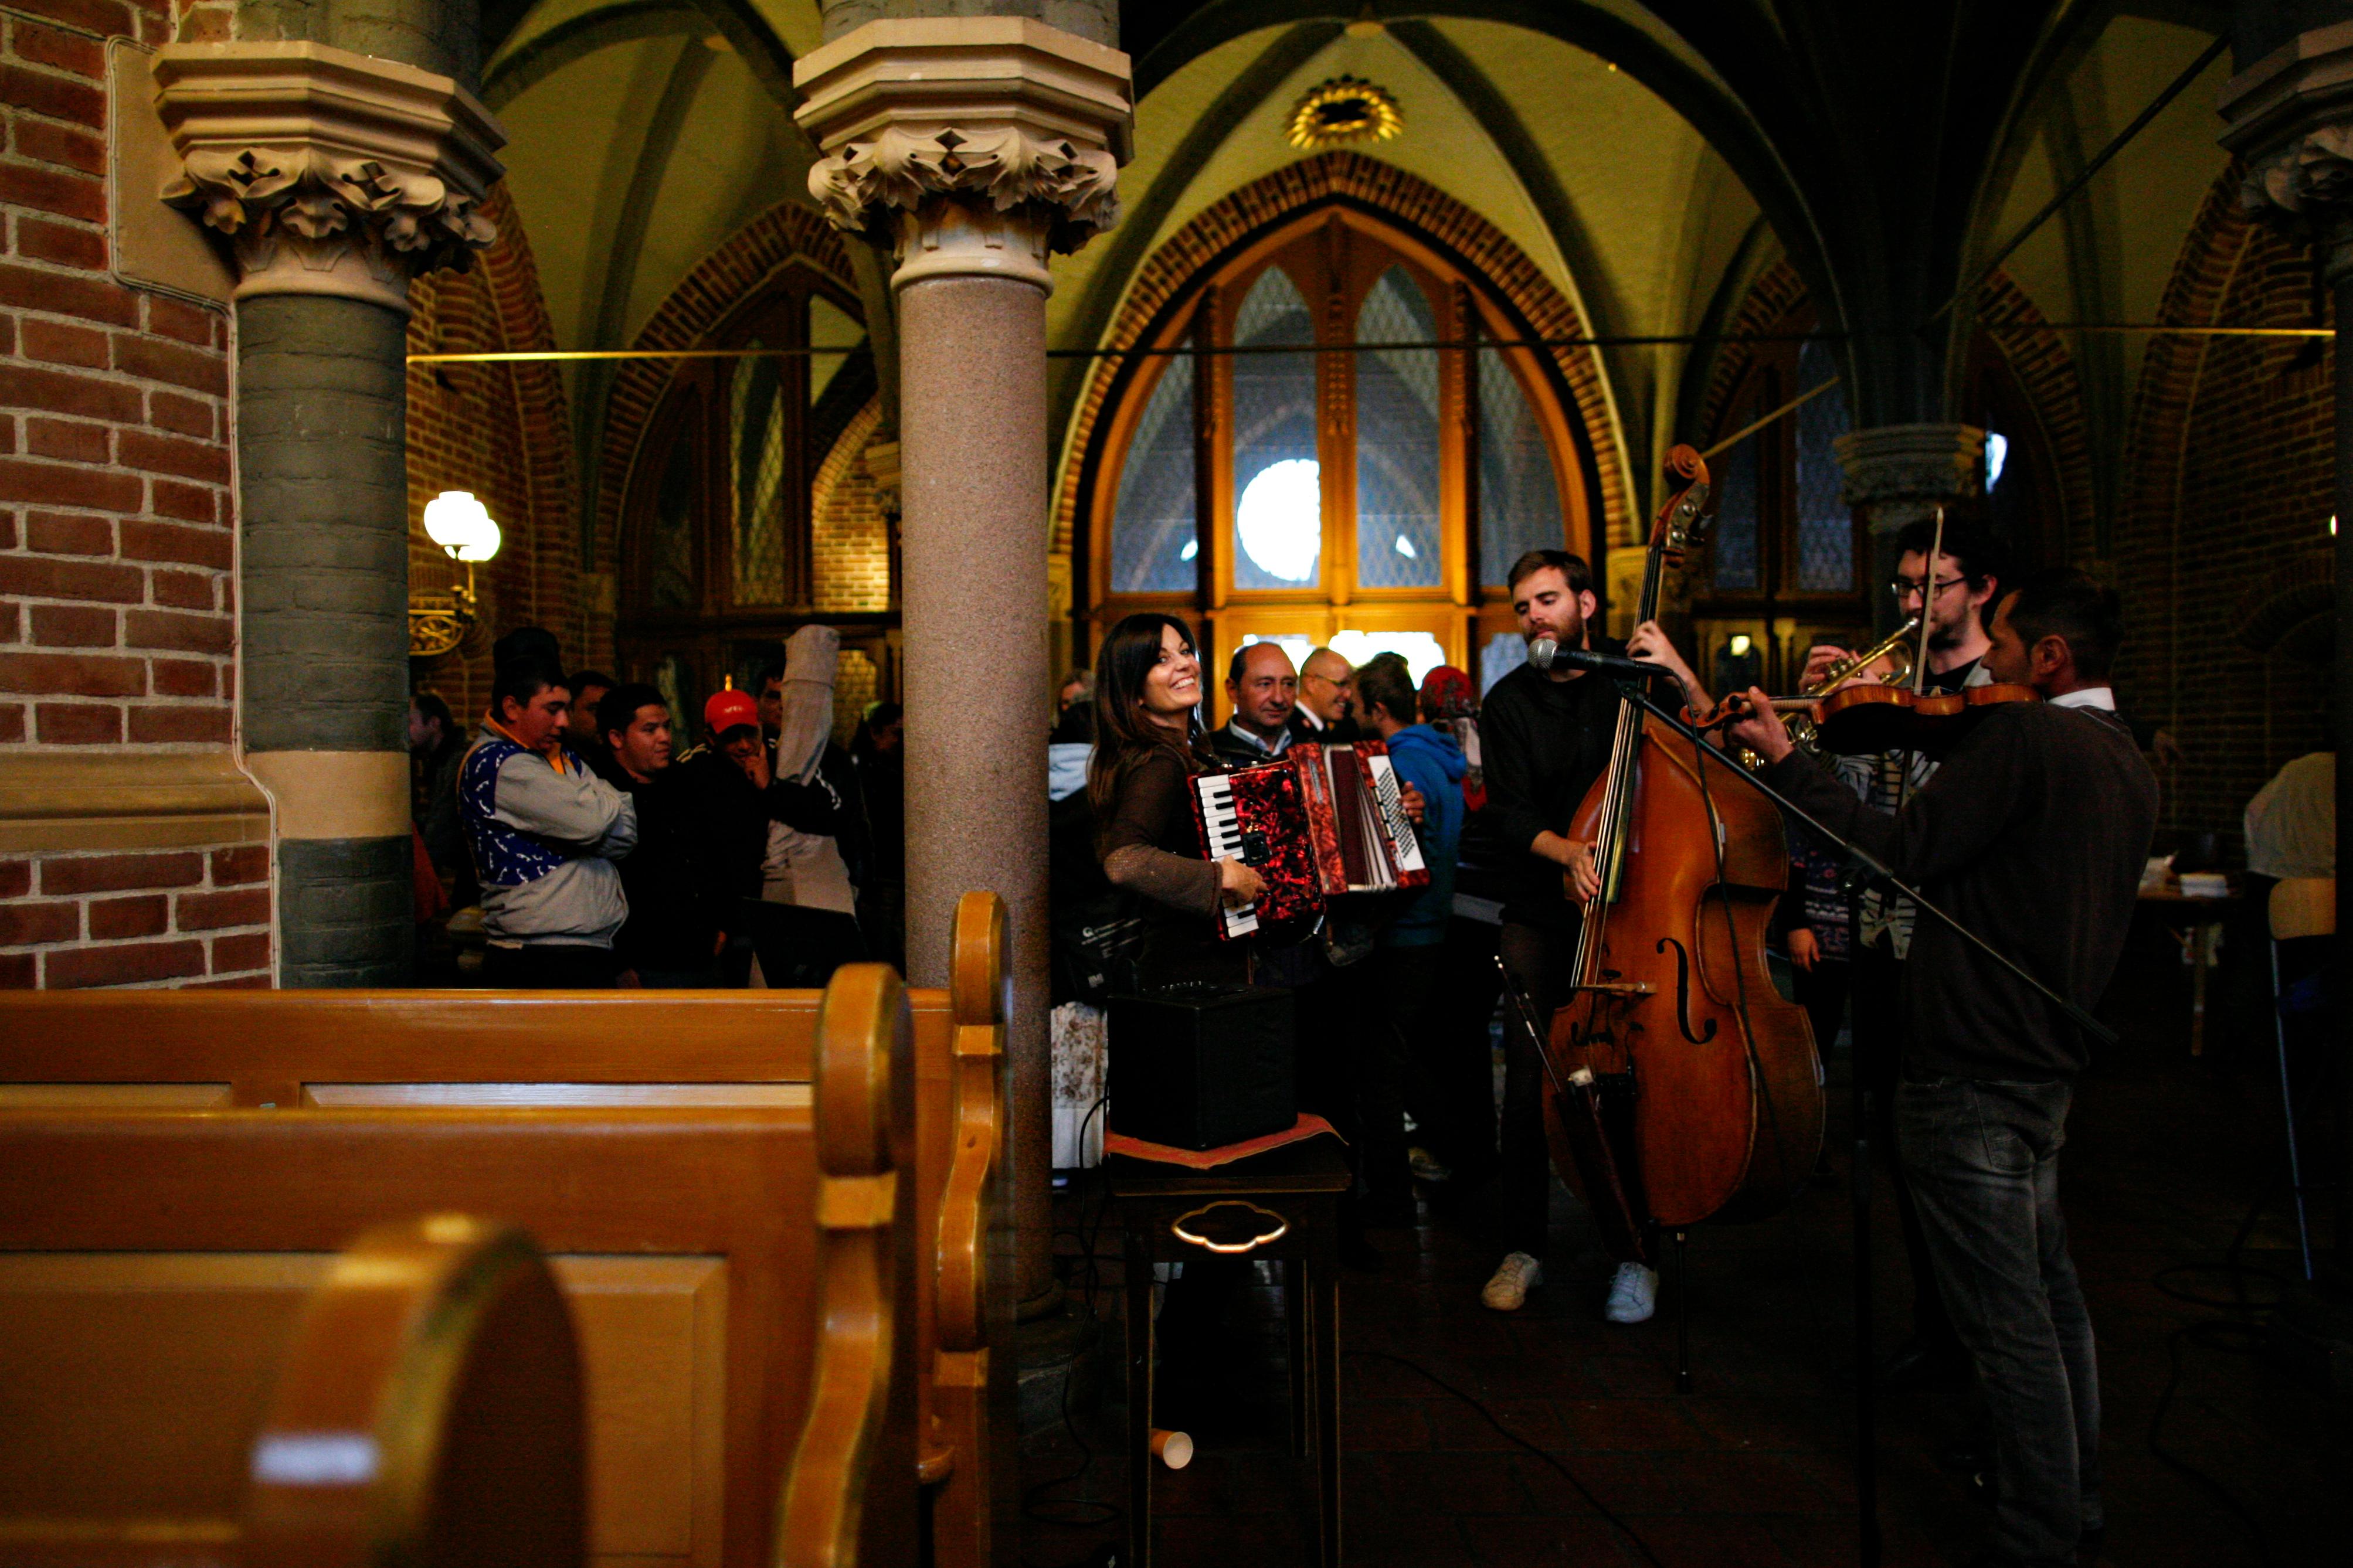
x=1954, y=599
x=1327, y=700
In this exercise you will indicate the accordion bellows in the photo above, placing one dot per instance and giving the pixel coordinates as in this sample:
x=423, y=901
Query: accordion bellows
x=1316, y=823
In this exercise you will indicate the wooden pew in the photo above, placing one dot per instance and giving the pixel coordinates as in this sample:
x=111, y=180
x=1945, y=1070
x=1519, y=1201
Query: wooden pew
x=350, y=1050
x=424, y=1400
x=741, y=1265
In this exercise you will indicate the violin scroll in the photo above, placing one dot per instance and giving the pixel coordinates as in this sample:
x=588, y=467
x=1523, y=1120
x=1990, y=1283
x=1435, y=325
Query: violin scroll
x=1682, y=518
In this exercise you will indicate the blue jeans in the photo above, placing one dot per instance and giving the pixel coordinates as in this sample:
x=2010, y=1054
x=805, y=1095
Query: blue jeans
x=1983, y=1158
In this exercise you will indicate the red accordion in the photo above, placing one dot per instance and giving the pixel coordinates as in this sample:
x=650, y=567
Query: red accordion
x=1316, y=823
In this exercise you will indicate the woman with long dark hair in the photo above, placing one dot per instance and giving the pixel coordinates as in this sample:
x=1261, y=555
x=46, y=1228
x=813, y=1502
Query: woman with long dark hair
x=1149, y=746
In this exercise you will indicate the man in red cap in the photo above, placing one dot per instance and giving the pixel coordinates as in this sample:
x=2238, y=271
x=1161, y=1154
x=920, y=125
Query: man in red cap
x=740, y=794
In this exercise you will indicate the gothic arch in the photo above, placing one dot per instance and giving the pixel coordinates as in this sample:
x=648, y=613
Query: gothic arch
x=785, y=234
x=500, y=431
x=1232, y=222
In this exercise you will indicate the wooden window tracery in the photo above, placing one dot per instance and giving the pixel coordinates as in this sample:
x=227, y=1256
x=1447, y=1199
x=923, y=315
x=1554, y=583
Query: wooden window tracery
x=1353, y=498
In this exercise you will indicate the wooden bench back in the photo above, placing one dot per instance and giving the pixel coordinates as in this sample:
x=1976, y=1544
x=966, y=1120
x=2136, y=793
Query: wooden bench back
x=423, y=1399
x=742, y=1275
x=352, y=1049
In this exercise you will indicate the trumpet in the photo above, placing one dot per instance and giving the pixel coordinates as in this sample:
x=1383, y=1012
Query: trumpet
x=1898, y=647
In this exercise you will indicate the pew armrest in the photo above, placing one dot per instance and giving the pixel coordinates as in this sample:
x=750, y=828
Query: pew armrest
x=429, y=1411
x=978, y=1002
x=849, y=1498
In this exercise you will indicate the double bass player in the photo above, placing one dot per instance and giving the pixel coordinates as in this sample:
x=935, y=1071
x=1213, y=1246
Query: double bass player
x=1546, y=735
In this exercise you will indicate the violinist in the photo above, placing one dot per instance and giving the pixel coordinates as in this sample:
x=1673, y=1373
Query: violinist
x=1955, y=601
x=2033, y=833
x=1546, y=736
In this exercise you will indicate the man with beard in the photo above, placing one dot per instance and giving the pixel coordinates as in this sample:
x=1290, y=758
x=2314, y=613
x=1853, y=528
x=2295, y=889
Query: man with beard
x=1546, y=735
x=1957, y=601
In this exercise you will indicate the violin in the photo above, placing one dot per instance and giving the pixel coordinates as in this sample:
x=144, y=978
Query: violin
x=1865, y=718
x=1671, y=1003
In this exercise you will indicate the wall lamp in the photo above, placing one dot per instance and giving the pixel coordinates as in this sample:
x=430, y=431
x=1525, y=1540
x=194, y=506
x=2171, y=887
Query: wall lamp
x=462, y=527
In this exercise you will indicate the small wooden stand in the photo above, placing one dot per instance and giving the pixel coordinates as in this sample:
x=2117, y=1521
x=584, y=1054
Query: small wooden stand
x=1282, y=1205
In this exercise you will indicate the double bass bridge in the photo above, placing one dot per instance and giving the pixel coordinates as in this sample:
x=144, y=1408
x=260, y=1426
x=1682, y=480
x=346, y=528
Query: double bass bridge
x=1619, y=988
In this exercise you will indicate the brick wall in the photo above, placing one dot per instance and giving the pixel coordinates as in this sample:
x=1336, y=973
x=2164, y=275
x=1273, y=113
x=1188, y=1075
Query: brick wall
x=850, y=539
x=117, y=616
x=2229, y=469
x=186, y=917
x=503, y=432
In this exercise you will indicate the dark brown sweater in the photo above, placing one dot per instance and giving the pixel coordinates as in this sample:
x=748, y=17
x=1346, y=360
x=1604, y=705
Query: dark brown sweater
x=2033, y=834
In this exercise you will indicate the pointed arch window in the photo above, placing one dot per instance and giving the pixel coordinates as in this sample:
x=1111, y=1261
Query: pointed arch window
x=1785, y=562
x=1369, y=496
x=720, y=559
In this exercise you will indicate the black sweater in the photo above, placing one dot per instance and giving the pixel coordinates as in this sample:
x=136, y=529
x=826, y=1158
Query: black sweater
x=1544, y=741
x=2033, y=834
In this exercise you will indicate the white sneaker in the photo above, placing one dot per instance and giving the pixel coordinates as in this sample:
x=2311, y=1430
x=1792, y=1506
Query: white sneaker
x=1514, y=1277
x=1633, y=1294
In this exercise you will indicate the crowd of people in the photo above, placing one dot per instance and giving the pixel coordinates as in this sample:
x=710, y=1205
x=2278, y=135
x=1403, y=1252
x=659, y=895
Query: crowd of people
x=2035, y=831
x=602, y=850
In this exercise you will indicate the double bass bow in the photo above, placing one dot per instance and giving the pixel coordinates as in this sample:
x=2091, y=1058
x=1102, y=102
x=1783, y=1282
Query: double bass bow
x=1670, y=997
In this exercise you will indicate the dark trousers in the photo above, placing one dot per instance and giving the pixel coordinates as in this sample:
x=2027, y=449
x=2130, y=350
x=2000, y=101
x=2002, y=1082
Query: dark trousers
x=1821, y=991
x=1395, y=1003
x=1984, y=1162
x=551, y=966
x=1539, y=959
x=1876, y=986
x=1451, y=1077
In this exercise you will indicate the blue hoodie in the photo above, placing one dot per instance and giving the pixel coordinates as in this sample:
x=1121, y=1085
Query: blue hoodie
x=1433, y=763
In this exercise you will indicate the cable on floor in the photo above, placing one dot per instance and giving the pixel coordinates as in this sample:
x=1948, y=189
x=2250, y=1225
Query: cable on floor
x=1554, y=1460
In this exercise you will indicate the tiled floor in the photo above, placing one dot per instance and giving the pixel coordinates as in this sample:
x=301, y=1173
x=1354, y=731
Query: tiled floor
x=1755, y=1466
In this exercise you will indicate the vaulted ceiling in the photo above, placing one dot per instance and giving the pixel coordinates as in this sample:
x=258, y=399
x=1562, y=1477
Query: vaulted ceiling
x=1648, y=159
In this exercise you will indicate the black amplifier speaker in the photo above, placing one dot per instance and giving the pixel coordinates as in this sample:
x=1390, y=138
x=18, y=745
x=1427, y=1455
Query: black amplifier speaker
x=1202, y=1067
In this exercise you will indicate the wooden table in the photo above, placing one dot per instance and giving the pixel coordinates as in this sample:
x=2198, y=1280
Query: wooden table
x=1282, y=1205
x=2200, y=920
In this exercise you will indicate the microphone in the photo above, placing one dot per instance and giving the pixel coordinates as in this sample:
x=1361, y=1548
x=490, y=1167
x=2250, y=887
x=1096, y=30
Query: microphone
x=1546, y=654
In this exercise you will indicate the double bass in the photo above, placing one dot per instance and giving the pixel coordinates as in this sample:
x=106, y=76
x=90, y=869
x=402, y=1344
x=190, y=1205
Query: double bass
x=1674, y=1046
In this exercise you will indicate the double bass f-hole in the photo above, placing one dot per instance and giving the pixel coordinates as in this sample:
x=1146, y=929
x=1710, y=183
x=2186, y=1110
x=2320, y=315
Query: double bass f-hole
x=1682, y=992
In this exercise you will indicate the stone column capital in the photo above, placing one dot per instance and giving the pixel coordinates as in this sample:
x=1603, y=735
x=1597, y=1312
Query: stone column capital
x=1897, y=474
x=328, y=172
x=2290, y=121
x=979, y=143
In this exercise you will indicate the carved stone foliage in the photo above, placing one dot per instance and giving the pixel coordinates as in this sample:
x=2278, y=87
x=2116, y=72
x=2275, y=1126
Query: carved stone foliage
x=1897, y=474
x=327, y=172
x=2291, y=124
x=979, y=143
x=1007, y=166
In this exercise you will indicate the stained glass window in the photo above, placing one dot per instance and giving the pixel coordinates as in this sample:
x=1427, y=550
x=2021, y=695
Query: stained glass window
x=1421, y=651
x=1519, y=505
x=829, y=327
x=755, y=445
x=1825, y=526
x=1733, y=560
x=1278, y=510
x=1396, y=439
x=1504, y=652
x=671, y=583
x=1153, y=542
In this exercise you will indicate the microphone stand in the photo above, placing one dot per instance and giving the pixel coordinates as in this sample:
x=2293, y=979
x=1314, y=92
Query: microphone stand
x=1631, y=690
